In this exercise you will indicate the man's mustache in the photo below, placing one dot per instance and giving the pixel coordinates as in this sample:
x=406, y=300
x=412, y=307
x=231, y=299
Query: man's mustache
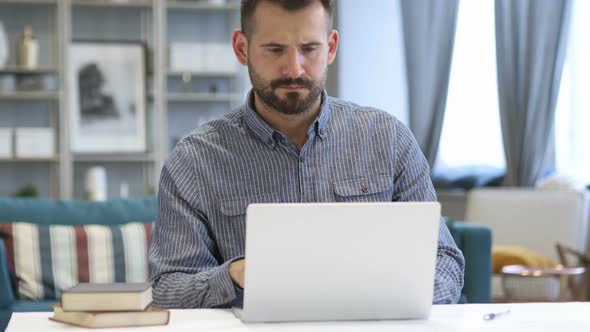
x=290, y=81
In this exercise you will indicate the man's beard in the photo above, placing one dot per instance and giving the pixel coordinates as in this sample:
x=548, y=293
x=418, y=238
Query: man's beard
x=294, y=103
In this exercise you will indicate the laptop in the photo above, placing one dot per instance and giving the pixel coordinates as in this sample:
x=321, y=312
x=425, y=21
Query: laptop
x=339, y=261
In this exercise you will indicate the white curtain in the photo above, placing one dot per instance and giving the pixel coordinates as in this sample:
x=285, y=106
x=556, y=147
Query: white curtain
x=572, y=118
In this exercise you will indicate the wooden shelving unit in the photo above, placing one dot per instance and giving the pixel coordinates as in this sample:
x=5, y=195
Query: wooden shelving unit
x=154, y=23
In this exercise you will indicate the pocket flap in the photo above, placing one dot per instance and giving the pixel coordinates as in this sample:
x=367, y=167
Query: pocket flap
x=238, y=206
x=364, y=186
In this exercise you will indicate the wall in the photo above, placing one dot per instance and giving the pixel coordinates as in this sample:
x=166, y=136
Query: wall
x=370, y=69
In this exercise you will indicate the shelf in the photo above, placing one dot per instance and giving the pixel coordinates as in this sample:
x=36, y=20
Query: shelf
x=201, y=97
x=201, y=5
x=113, y=158
x=28, y=2
x=113, y=3
x=169, y=99
x=29, y=160
x=204, y=73
x=26, y=96
x=22, y=70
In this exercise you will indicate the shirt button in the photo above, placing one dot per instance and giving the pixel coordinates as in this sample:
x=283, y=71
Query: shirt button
x=301, y=159
x=365, y=189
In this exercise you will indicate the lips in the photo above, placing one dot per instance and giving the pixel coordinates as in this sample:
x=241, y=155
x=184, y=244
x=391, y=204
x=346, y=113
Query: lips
x=290, y=84
x=293, y=87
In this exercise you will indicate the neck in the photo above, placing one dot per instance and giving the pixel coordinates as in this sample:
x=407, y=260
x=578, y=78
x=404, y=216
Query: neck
x=295, y=126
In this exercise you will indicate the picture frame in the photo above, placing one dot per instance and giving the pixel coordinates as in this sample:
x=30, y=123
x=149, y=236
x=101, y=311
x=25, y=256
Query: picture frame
x=107, y=104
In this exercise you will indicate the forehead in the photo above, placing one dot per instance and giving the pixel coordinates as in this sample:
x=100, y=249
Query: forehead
x=271, y=21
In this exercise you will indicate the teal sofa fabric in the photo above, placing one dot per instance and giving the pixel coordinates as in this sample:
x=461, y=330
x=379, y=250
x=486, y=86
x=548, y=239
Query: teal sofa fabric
x=475, y=241
x=52, y=212
x=6, y=295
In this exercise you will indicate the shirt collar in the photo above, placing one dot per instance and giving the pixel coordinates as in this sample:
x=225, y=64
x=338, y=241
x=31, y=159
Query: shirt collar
x=268, y=134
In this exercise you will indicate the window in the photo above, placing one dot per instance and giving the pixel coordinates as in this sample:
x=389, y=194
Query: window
x=471, y=134
x=572, y=116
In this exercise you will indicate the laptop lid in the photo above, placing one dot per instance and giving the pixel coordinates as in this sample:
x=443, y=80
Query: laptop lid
x=340, y=261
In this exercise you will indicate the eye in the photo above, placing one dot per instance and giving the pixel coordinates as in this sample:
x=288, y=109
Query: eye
x=275, y=50
x=309, y=49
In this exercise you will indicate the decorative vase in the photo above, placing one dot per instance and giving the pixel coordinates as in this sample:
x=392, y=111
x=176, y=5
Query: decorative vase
x=28, y=49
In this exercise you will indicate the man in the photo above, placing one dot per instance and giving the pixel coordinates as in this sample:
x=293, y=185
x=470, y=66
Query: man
x=289, y=142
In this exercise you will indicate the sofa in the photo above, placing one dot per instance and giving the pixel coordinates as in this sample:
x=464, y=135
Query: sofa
x=75, y=214
x=474, y=240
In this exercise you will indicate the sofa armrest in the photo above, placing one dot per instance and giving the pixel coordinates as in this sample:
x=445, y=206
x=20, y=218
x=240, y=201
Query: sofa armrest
x=6, y=294
x=475, y=241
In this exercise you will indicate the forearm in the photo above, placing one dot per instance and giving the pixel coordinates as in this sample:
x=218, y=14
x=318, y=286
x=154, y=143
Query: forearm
x=448, y=281
x=185, y=265
x=207, y=289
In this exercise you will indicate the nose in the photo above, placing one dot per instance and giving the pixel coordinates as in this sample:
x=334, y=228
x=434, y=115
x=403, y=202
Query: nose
x=293, y=64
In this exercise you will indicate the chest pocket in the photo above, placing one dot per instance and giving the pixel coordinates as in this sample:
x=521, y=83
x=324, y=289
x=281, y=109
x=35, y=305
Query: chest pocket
x=237, y=206
x=370, y=189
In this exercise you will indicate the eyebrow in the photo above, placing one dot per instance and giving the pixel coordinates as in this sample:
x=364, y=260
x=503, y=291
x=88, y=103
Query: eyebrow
x=272, y=44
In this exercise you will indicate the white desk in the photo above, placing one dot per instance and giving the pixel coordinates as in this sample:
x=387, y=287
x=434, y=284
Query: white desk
x=560, y=317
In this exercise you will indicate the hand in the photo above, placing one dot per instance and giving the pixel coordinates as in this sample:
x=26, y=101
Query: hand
x=236, y=272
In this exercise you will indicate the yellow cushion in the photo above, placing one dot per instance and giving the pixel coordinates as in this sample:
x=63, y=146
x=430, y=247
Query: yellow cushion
x=511, y=255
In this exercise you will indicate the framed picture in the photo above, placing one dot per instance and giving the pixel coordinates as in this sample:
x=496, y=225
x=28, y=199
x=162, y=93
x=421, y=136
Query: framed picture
x=107, y=99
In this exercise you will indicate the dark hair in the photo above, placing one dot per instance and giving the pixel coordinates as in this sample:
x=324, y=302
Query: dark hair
x=249, y=6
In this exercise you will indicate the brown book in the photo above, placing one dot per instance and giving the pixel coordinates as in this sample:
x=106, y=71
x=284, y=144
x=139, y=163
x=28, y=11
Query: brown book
x=107, y=297
x=150, y=316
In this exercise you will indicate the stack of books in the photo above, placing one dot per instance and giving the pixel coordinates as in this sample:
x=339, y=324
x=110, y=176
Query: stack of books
x=109, y=305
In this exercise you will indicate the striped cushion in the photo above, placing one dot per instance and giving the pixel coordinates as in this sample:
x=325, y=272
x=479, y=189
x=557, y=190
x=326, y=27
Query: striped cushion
x=44, y=260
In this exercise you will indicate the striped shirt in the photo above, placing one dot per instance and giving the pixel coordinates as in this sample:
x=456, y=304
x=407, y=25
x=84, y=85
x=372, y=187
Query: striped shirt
x=352, y=154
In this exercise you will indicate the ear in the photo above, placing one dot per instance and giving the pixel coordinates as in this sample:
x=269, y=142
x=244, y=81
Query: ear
x=240, y=46
x=332, y=46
